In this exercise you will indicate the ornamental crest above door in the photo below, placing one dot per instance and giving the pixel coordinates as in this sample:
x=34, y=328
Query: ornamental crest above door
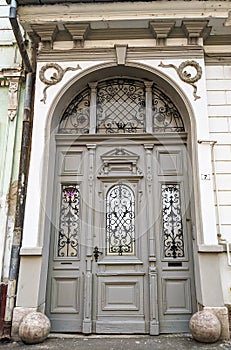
x=119, y=161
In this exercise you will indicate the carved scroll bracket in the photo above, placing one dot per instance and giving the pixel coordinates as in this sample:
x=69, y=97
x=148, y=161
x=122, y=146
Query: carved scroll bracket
x=186, y=75
x=53, y=77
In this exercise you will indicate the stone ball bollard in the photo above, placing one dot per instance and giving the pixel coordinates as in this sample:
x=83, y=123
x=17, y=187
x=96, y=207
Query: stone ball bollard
x=34, y=328
x=205, y=327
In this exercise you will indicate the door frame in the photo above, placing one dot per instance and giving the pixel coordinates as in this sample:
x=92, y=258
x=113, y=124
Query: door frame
x=40, y=182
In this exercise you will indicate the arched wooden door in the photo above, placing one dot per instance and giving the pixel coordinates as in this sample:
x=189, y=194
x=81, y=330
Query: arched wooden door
x=120, y=251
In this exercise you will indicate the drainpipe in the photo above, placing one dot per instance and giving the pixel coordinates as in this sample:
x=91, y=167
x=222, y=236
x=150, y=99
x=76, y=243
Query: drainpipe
x=20, y=208
x=22, y=177
x=18, y=36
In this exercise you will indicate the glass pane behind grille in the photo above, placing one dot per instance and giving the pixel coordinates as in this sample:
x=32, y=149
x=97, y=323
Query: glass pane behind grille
x=68, y=235
x=166, y=117
x=173, y=239
x=75, y=119
x=120, y=106
x=120, y=221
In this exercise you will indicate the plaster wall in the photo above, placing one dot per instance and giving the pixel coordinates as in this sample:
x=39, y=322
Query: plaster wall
x=218, y=83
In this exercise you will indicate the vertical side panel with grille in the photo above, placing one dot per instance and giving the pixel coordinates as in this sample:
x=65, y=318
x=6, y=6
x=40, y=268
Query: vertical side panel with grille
x=68, y=236
x=172, y=221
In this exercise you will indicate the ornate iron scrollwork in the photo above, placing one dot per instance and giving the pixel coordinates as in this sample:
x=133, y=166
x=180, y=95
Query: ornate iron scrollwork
x=76, y=117
x=165, y=114
x=120, y=106
x=120, y=220
x=69, y=222
x=172, y=221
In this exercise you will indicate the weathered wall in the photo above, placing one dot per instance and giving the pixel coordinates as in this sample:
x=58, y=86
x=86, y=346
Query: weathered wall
x=11, y=102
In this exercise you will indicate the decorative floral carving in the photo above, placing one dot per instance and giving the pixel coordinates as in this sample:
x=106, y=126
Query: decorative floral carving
x=54, y=77
x=187, y=76
x=13, y=96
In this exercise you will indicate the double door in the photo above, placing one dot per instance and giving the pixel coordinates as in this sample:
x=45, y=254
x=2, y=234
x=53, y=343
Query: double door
x=120, y=247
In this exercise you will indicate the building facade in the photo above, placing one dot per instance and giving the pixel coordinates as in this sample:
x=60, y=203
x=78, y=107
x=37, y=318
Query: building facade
x=127, y=219
x=11, y=101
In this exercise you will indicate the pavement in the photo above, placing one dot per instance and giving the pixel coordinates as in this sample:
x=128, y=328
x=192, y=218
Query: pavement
x=117, y=342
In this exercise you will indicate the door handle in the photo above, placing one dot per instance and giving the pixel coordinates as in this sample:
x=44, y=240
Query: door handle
x=96, y=253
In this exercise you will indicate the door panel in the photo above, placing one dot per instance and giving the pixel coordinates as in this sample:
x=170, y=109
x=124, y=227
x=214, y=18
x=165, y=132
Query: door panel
x=65, y=295
x=174, y=256
x=65, y=282
x=130, y=203
x=121, y=272
x=176, y=296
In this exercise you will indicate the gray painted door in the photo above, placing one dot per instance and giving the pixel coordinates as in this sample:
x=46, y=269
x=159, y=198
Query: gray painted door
x=65, y=283
x=120, y=252
x=173, y=231
x=121, y=273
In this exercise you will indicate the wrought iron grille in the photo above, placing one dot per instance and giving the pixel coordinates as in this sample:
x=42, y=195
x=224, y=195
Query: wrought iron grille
x=166, y=117
x=75, y=119
x=120, y=221
x=69, y=222
x=172, y=221
x=121, y=106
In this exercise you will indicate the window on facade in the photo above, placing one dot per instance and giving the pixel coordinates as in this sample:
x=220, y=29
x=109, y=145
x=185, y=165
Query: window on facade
x=119, y=106
x=120, y=220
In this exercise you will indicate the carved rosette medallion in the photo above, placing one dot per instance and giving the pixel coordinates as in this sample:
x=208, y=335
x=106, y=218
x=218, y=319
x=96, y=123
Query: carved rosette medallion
x=53, y=77
x=185, y=75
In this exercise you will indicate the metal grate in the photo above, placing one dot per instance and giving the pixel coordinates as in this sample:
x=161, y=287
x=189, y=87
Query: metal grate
x=75, y=119
x=166, y=117
x=121, y=106
x=120, y=220
x=172, y=221
x=69, y=222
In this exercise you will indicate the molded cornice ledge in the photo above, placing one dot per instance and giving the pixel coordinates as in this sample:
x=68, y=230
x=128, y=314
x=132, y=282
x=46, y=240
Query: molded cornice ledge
x=204, y=248
x=30, y=251
x=124, y=11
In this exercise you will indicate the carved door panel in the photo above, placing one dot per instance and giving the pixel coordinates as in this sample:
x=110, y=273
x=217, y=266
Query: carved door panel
x=120, y=269
x=65, y=283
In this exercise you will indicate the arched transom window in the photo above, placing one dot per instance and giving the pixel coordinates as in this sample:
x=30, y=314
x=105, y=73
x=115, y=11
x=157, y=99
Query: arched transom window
x=118, y=106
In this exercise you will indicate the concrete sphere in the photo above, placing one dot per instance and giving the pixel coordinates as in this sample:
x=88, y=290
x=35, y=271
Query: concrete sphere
x=205, y=327
x=34, y=328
